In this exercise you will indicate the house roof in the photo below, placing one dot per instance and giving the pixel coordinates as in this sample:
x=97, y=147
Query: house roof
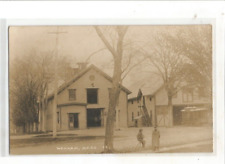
x=150, y=91
x=147, y=91
x=67, y=84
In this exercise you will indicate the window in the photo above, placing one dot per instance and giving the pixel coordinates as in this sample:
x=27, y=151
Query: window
x=187, y=95
x=58, y=117
x=92, y=96
x=132, y=116
x=132, y=101
x=117, y=115
x=72, y=94
x=175, y=95
x=138, y=113
x=195, y=94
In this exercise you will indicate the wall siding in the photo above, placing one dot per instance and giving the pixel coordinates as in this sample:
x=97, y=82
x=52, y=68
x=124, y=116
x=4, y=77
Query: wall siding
x=81, y=86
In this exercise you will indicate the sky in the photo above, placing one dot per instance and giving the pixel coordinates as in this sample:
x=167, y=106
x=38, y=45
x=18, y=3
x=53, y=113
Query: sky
x=78, y=42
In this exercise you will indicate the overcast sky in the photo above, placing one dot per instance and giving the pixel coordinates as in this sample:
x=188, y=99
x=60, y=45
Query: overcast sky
x=77, y=43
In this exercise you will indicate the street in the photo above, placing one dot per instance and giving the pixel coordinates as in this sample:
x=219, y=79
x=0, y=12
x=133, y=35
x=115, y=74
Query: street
x=195, y=149
x=91, y=141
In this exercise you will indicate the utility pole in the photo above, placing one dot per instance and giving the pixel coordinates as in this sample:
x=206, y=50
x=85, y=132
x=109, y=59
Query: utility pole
x=54, y=112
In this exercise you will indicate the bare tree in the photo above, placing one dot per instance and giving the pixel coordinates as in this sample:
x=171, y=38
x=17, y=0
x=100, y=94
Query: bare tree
x=122, y=53
x=197, y=47
x=31, y=78
x=166, y=60
x=116, y=49
x=23, y=94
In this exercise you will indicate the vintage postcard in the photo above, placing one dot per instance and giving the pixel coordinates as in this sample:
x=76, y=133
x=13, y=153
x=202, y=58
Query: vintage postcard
x=110, y=89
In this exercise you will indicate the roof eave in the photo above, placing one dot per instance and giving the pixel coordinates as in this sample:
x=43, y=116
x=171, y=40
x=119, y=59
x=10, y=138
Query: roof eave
x=67, y=84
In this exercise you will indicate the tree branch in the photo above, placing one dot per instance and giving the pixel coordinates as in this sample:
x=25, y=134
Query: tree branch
x=104, y=40
x=92, y=54
x=132, y=67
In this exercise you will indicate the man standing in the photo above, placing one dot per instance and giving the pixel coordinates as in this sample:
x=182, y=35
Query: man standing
x=155, y=140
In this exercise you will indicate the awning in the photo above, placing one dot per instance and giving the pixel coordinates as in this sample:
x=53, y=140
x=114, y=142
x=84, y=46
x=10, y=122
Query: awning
x=193, y=109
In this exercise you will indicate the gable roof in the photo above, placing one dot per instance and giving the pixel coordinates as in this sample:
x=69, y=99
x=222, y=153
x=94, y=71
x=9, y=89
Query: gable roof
x=80, y=74
x=146, y=91
x=149, y=91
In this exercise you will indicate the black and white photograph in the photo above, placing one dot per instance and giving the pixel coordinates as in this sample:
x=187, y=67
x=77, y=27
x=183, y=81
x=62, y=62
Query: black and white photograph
x=110, y=89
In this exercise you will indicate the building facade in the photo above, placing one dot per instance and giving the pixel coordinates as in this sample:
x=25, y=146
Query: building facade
x=83, y=102
x=157, y=101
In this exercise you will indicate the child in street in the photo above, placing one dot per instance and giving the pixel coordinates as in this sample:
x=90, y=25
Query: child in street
x=140, y=138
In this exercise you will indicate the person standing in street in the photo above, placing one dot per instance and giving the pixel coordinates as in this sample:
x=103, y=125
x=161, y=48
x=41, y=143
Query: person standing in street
x=140, y=138
x=155, y=139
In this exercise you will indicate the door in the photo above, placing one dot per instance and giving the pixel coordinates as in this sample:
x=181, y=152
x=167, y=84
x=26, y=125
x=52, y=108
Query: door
x=177, y=115
x=94, y=117
x=73, y=120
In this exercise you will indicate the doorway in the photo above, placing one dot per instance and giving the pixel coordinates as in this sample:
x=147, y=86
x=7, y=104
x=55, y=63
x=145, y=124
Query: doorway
x=73, y=120
x=177, y=115
x=94, y=117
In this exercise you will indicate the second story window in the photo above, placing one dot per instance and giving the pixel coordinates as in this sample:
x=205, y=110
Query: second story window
x=72, y=94
x=187, y=95
x=92, y=96
x=175, y=95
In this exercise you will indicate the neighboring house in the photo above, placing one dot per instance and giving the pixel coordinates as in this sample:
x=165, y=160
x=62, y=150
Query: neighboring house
x=133, y=111
x=135, y=106
x=156, y=99
x=83, y=102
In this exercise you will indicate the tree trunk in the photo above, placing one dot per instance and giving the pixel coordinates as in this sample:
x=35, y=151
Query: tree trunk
x=113, y=98
x=28, y=127
x=170, y=111
x=117, y=53
x=43, y=115
x=39, y=117
x=24, y=128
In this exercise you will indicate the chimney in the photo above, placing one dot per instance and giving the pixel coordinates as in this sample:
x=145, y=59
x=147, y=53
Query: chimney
x=82, y=65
